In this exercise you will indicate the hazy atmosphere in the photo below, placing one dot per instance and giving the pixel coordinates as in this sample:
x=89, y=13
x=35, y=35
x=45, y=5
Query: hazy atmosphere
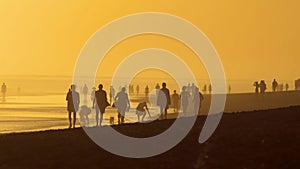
x=255, y=39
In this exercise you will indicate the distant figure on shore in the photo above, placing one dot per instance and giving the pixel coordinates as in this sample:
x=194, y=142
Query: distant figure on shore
x=3, y=91
x=100, y=102
x=93, y=95
x=73, y=104
x=184, y=99
x=256, y=85
x=287, y=87
x=229, y=89
x=84, y=112
x=204, y=90
x=196, y=101
x=85, y=90
x=209, y=89
x=141, y=111
x=157, y=89
x=274, y=85
x=262, y=86
x=147, y=91
x=111, y=94
x=297, y=84
x=137, y=90
x=175, y=101
x=164, y=100
x=131, y=89
x=201, y=101
x=157, y=86
x=122, y=103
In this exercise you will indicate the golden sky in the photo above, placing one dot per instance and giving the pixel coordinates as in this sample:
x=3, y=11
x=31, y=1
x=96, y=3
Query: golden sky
x=255, y=39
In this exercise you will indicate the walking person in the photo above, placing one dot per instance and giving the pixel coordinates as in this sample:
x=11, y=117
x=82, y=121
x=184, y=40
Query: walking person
x=274, y=85
x=100, y=102
x=73, y=105
x=146, y=91
x=256, y=85
x=263, y=86
x=175, y=101
x=111, y=94
x=122, y=103
x=3, y=91
x=184, y=99
x=164, y=100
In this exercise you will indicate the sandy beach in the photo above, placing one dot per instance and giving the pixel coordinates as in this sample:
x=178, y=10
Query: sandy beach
x=253, y=140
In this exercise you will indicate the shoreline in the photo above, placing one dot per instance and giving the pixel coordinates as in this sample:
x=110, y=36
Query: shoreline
x=174, y=116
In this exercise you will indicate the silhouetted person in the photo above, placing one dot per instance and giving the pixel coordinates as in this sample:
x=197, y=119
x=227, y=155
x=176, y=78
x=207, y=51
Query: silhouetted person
x=256, y=85
x=209, y=89
x=287, y=87
x=147, y=91
x=262, y=86
x=85, y=93
x=84, y=112
x=157, y=86
x=164, y=100
x=73, y=104
x=201, y=101
x=297, y=84
x=229, y=89
x=176, y=101
x=111, y=94
x=122, y=103
x=274, y=85
x=196, y=100
x=93, y=95
x=131, y=89
x=3, y=91
x=204, y=90
x=141, y=111
x=184, y=99
x=101, y=103
x=137, y=89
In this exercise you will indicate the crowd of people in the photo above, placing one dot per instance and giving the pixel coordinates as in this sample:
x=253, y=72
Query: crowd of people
x=189, y=101
x=261, y=87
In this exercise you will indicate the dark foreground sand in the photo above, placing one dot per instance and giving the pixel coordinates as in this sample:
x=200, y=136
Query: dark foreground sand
x=252, y=140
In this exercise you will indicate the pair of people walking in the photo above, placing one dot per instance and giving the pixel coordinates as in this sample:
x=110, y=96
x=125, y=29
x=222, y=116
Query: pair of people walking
x=99, y=103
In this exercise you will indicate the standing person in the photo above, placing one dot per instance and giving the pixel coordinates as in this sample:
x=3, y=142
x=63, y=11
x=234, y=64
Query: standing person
x=256, y=85
x=175, y=101
x=229, y=89
x=184, y=99
x=204, y=89
x=287, y=87
x=274, y=85
x=85, y=91
x=101, y=103
x=262, y=86
x=137, y=90
x=93, y=95
x=146, y=91
x=3, y=91
x=122, y=103
x=111, y=94
x=141, y=111
x=73, y=104
x=164, y=100
x=209, y=89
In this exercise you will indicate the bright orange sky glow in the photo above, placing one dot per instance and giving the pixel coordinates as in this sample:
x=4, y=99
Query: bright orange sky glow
x=255, y=39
